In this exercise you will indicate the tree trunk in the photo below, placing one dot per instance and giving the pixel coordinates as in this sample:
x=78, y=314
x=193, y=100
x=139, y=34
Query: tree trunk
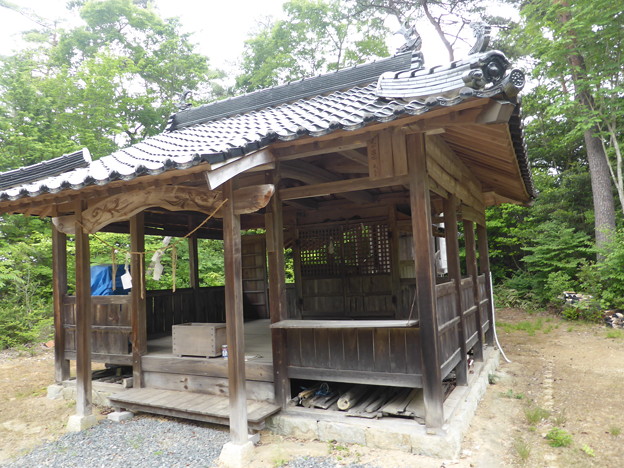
x=604, y=206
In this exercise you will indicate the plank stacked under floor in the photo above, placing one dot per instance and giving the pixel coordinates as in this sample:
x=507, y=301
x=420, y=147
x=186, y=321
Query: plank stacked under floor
x=189, y=405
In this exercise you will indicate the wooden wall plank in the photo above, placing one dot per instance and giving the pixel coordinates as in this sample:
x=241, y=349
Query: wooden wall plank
x=234, y=318
x=374, y=158
x=59, y=288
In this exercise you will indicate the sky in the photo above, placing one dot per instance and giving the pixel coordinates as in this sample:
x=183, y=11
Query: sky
x=218, y=27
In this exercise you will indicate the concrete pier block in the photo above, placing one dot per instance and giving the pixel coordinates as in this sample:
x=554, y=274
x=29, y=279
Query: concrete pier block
x=236, y=455
x=79, y=423
x=118, y=416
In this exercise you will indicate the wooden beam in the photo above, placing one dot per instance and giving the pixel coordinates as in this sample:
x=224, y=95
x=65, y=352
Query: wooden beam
x=451, y=173
x=173, y=198
x=229, y=169
x=277, y=293
x=84, y=318
x=492, y=198
x=471, y=267
x=311, y=174
x=424, y=260
x=355, y=156
x=59, y=290
x=306, y=148
x=342, y=186
x=137, y=306
x=454, y=271
x=399, y=152
x=470, y=214
x=234, y=318
x=484, y=264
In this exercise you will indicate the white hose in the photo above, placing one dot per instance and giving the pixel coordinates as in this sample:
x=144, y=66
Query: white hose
x=494, y=319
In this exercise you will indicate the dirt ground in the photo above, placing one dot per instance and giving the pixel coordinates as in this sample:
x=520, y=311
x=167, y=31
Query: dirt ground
x=563, y=375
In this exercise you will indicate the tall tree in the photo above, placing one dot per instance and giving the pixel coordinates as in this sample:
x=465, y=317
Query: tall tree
x=579, y=50
x=105, y=84
x=317, y=36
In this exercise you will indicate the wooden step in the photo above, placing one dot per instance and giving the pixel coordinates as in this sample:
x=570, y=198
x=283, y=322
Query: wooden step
x=189, y=405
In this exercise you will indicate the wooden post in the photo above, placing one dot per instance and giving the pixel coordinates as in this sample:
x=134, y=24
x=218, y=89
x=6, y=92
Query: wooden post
x=484, y=263
x=424, y=260
x=198, y=314
x=137, y=269
x=59, y=287
x=471, y=267
x=84, y=317
x=454, y=268
x=277, y=294
x=234, y=319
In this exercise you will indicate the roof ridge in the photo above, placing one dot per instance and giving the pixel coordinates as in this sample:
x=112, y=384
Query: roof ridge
x=306, y=87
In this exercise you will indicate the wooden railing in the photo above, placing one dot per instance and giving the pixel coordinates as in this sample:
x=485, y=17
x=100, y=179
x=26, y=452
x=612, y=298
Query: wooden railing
x=165, y=308
x=110, y=332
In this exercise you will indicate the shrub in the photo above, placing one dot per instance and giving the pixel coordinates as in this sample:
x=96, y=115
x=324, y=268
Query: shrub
x=558, y=437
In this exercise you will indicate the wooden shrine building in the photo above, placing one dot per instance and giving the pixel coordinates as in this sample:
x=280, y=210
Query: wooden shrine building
x=365, y=177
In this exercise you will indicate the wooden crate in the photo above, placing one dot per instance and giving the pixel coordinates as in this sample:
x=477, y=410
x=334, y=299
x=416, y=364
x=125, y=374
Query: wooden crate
x=198, y=339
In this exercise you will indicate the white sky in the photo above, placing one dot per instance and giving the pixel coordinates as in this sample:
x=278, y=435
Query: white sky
x=219, y=27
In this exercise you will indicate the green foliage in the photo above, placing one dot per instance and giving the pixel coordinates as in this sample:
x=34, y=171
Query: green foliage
x=25, y=281
x=558, y=437
x=530, y=327
x=317, y=36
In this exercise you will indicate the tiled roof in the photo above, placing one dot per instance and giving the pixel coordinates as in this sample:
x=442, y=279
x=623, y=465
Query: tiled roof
x=204, y=135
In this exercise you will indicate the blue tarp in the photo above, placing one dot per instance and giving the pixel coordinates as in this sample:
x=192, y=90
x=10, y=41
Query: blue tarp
x=101, y=281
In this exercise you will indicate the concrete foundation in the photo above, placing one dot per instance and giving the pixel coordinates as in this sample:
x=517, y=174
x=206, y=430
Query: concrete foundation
x=236, y=455
x=78, y=423
x=118, y=416
x=395, y=433
x=100, y=391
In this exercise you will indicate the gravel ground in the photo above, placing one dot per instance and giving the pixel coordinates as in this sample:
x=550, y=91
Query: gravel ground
x=145, y=442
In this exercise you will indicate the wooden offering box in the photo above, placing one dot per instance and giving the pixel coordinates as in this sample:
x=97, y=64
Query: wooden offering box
x=198, y=339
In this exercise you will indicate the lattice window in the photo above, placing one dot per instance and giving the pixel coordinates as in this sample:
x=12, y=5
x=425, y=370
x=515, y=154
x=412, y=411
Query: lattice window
x=350, y=249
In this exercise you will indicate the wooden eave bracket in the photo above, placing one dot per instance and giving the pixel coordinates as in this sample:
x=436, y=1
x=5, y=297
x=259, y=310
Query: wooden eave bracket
x=124, y=205
x=492, y=199
x=223, y=172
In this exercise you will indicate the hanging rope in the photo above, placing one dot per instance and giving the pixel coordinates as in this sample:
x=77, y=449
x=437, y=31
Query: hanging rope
x=142, y=254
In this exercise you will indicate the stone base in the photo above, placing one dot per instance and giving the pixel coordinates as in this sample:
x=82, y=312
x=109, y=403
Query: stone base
x=55, y=392
x=79, y=423
x=118, y=416
x=236, y=455
x=394, y=433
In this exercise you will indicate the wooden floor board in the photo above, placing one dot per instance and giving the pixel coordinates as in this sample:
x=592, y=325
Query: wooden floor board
x=198, y=406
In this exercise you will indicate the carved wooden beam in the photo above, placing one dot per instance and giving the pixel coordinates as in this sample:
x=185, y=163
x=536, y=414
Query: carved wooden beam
x=174, y=198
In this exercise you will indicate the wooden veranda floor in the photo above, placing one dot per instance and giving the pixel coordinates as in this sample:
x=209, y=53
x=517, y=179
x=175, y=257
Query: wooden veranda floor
x=189, y=405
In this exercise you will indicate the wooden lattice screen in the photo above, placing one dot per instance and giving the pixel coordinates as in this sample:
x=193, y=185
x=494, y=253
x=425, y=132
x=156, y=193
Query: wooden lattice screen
x=345, y=250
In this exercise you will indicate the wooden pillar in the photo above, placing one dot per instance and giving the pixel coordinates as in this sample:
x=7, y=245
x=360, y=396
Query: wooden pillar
x=471, y=267
x=484, y=263
x=84, y=317
x=277, y=294
x=59, y=287
x=234, y=319
x=137, y=269
x=198, y=313
x=454, y=269
x=193, y=262
x=424, y=260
